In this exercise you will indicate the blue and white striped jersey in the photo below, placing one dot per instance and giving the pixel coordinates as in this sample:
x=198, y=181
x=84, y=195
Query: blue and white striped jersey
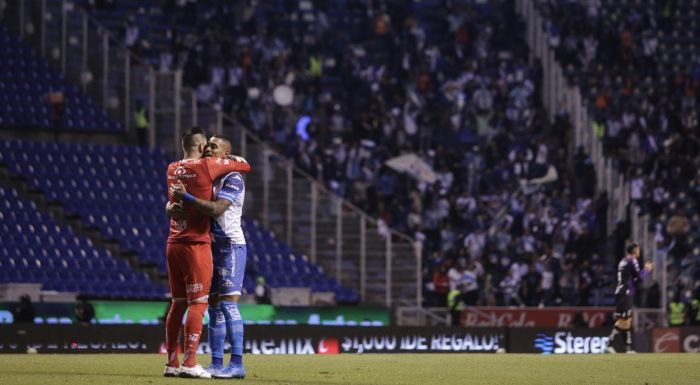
x=232, y=188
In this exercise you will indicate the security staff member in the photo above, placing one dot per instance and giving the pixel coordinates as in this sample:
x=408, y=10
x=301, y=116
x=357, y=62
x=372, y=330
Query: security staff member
x=676, y=311
x=455, y=303
x=141, y=124
x=695, y=309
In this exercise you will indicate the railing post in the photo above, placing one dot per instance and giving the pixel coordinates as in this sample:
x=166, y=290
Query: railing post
x=127, y=90
x=219, y=127
x=338, y=237
x=312, y=230
x=419, y=278
x=152, y=109
x=266, y=185
x=388, y=252
x=193, y=101
x=244, y=143
x=105, y=67
x=290, y=197
x=21, y=18
x=42, y=37
x=64, y=33
x=363, y=256
x=664, y=283
x=176, y=104
x=83, y=59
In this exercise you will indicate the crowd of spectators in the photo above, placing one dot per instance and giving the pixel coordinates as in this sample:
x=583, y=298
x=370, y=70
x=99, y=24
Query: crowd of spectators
x=639, y=67
x=513, y=218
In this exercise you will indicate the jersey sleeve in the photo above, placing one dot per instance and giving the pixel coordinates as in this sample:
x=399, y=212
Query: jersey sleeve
x=233, y=186
x=219, y=167
x=637, y=273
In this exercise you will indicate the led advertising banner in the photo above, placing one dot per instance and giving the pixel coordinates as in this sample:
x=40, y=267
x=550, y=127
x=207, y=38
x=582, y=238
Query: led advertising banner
x=260, y=339
x=151, y=313
x=558, y=341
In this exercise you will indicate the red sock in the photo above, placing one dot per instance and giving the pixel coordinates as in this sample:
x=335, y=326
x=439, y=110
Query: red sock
x=173, y=325
x=193, y=330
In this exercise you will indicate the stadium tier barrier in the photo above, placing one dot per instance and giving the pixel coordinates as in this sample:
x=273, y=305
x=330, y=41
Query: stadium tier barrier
x=304, y=339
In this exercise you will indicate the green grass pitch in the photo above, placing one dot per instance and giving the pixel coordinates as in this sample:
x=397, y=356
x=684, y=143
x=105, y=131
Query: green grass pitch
x=114, y=369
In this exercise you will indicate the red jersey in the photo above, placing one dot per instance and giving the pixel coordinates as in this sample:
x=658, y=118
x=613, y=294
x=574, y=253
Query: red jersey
x=198, y=177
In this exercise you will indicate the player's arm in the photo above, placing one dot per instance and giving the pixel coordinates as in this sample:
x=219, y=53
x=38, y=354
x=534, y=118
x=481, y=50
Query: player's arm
x=637, y=272
x=219, y=167
x=208, y=208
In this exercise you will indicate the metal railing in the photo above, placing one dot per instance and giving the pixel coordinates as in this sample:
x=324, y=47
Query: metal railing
x=76, y=45
x=384, y=268
x=420, y=316
x=647, y=319
x=559, y=96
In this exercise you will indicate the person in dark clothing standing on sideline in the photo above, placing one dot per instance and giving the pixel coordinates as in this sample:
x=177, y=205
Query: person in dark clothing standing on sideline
x=84, y=312
x=24, y=311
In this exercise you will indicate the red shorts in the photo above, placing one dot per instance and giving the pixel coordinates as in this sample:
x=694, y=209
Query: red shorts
x=189, y=270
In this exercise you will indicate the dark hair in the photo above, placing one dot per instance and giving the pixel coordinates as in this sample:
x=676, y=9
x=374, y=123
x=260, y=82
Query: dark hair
x=631, y=248
x=188, y=137
x=225, y=139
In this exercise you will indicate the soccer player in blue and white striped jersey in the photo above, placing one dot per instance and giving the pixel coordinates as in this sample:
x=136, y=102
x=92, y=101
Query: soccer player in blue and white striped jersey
x=229, y=258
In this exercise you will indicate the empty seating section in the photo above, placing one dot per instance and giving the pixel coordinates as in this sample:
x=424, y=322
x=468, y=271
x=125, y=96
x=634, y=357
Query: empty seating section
x=117, y=189
x=283, y=267
x=120, y=190
x=25, y=83
x=37, y=249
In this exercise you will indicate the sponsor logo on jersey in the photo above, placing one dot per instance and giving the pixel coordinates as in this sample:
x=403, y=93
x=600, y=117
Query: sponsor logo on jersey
x=194, y=287
x=181, y=173
x=179, y=224
x=227, y=283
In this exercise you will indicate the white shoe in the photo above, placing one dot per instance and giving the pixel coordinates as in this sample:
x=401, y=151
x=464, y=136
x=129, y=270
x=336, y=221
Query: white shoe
x=631, y=352
x=196, y=371
x=610, y=350
x=171, y=371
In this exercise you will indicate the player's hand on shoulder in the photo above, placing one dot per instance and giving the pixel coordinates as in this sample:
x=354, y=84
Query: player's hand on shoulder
x=237, y=158
x=177, y=190
x=649, y=266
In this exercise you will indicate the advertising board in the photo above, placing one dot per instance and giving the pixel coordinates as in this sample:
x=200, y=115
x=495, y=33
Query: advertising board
x=557, y=317
x=558, y=341
x=260, y=339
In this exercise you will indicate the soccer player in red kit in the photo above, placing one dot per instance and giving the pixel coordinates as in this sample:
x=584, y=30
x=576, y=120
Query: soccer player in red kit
x=188, y=251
